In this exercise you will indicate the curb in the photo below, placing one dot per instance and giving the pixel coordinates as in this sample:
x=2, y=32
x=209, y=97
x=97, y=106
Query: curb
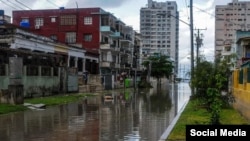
x=166, y=133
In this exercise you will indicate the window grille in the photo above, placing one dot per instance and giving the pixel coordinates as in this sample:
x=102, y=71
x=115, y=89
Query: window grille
x=87, y=20
x=70, y=37
x=39, y=22
x=68, y=20
x=88, y=37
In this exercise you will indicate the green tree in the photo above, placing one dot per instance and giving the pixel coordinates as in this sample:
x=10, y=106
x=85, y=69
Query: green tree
x=210, y=80
x=211, y=75
x=159, y=66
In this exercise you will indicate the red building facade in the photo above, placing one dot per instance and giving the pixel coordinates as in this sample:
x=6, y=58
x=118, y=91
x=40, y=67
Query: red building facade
x=79, y=27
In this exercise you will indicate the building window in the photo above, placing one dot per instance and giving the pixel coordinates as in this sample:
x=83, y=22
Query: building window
x=53, y=19
x=53, y=37
x=32, y=70
x=68, y=20
x=87, y=20
x=2, y=70
x=70, y=37
x=87, y=37
x=45, y=71
x=39, y=21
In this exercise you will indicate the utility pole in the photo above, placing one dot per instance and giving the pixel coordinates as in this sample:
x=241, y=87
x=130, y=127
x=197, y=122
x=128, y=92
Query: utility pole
x=192, y=43
x=198, y=43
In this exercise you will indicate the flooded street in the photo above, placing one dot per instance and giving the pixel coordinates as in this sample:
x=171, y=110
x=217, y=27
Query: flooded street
x=141, y=115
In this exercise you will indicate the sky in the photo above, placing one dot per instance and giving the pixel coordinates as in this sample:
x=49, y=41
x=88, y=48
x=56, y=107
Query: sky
x=128, y=11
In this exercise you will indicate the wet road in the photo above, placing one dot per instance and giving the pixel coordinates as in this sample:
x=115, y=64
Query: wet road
x=141, y=115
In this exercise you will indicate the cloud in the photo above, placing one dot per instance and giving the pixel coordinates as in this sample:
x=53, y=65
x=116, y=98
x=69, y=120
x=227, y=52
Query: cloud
x=97, y=3
x=129, y=12
x=47, y=3
x=204, y=20
x=203, y=24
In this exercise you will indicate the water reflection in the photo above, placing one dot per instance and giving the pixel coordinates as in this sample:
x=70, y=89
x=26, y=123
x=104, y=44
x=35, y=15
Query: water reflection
x=124, y=115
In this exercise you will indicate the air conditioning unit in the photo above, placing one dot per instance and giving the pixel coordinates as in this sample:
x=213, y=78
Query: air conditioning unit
x=37, y=26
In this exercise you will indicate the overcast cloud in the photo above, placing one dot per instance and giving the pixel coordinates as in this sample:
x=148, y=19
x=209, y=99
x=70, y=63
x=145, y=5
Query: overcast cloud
x=98, y=3
x=129, y=10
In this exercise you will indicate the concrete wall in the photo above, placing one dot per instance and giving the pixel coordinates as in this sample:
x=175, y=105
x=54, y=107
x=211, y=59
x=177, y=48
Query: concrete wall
x=34, y=85
x=241, y=92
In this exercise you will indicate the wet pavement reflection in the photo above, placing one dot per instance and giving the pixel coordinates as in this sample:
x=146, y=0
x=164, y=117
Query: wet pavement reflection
x=119, y=115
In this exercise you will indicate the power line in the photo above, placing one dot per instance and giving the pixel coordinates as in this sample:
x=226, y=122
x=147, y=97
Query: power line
x=204, y=11
x=15, y=5
x=187, y=8
x=178, y=19
x=23, y=4
x=8, y=5
x=53, y=3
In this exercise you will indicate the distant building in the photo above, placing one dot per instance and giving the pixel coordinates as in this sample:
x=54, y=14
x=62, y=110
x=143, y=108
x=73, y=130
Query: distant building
x=4, y=18
x=159, y=28
x=230, y=18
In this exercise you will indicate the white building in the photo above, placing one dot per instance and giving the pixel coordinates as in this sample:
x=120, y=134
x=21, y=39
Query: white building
x=159, y=28
x=230, y=18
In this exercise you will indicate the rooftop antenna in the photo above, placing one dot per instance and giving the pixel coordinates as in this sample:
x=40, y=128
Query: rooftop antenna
x=23, y=5
x=76, y=5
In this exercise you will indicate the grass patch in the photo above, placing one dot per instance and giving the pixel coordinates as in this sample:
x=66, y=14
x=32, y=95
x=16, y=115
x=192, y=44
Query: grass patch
x=56, y=100
x=193, y=115
x=8, y=108
x=48, y=101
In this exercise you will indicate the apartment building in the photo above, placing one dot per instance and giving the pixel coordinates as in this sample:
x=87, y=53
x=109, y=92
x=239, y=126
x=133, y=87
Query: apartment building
x=230, y=18
x=108, y=41
x=159, y=27
x=78, y=27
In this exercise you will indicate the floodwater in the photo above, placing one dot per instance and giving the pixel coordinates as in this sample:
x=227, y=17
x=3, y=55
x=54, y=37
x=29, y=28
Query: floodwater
x=141, y=115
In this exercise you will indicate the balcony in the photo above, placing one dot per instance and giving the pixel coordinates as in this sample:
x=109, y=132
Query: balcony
x=107, y=29
x=122, y=66
x=115, y=65
x=109, y=47
x=105, y=64
x=109, y=65
x=116, y=35
x=105, y=46
x=226, y=53
x=127, y=41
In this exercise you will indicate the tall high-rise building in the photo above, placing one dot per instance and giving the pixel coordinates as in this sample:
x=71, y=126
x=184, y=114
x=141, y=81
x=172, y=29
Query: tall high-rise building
x=230, y=18
x=159, y=28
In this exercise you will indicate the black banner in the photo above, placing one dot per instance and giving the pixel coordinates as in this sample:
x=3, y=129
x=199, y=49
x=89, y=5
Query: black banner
x=235, y=132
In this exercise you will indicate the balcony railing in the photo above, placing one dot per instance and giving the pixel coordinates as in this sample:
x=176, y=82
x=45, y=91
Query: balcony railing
x=109, y=64
x=105, y=64
x=109, y=47
x=105, y=46
x=107, y=28
x=116, y=35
